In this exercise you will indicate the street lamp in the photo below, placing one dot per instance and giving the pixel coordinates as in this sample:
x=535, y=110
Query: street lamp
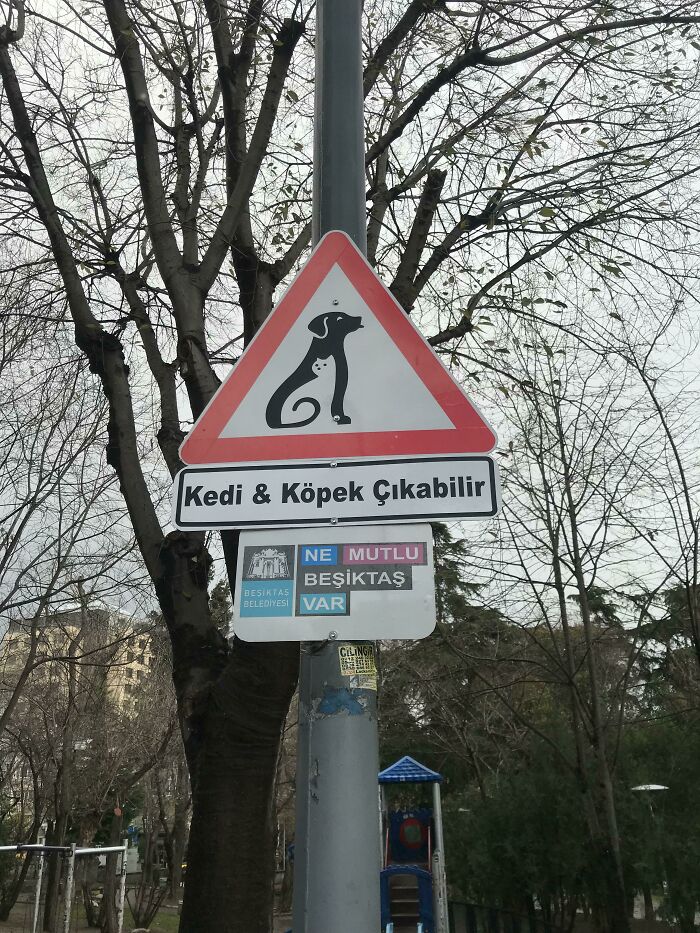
x=652, y=789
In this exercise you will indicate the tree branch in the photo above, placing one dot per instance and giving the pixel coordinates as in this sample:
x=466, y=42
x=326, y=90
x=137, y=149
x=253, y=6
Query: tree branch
x=145, y=141
x=287, y=38
x=421, y=98
x=667, y=19
x=402, y=286
x=415, y=11
x=103, y=351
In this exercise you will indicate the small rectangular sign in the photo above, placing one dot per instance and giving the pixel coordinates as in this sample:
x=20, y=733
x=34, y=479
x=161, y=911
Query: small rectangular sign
x=346, y=492
x=364, y=582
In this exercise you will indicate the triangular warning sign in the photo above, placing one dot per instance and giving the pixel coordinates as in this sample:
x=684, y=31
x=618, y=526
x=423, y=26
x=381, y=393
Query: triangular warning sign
x=337, y=370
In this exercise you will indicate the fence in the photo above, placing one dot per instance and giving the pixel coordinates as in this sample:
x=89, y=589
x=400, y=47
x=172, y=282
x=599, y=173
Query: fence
x=69, y=853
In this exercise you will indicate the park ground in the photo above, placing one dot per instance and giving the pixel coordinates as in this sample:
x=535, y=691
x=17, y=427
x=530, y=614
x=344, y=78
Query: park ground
x=166, y=921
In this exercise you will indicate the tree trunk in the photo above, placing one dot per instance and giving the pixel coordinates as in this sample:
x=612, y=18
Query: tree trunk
x=614, y=874
x=599, y=919
x=175, y=875
x=56, y=837
x=610, y=907
x=175, y=833
x=9, y=898
x=109, y=919
x=611, y=861
x=232, y=705
x=649, y=912
x=147, y=846
x=685, y=920
x=92, y=913
x=230, y=860
x=287, y=888
x=177, y=851
x=572, y=910
x=531, y=913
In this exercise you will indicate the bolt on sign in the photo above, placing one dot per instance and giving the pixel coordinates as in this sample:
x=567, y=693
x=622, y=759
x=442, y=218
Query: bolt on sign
x=360, y=582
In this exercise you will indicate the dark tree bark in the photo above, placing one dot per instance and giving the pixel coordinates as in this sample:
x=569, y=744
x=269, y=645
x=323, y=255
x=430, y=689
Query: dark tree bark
x=238, y=755
x=10, y=895
x=55, y=836
x=175, y=831
x=111, y=882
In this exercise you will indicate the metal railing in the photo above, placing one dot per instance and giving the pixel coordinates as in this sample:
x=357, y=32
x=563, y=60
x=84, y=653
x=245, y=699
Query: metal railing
x=390, y=928
x=71, y=852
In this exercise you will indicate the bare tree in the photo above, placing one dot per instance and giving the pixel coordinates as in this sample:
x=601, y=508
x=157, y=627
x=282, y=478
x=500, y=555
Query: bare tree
x=88, y=730
x=665, y=366
x=580, y=590
x=172, y=164
x=60, y=515
x=577, y=488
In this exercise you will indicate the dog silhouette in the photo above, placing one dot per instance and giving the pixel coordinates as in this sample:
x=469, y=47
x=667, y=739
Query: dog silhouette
x=328, y=342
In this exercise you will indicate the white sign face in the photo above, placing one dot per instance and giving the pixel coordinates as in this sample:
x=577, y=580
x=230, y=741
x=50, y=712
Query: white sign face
x=349, y=492
x=345, y=583
x=373, y=400
x=338, y=371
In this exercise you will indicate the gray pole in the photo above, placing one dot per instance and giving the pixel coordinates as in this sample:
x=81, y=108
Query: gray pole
x=339, y=131
x=439, y=876
x=68, y=897
x=37, y=892
x=122, y=888
x=336, y=857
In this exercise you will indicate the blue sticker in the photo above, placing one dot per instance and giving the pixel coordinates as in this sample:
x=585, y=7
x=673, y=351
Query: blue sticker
x=323, y=604
x=313, y=554
x=267, y=599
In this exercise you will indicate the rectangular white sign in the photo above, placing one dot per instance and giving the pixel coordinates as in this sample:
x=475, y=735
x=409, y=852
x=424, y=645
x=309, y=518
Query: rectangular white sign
x=311, y=584
x=347, y=492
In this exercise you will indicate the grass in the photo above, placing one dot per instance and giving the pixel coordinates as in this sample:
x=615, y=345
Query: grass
x=166, y=920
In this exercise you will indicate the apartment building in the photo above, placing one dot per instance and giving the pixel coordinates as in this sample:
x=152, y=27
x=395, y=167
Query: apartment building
x=99, y=649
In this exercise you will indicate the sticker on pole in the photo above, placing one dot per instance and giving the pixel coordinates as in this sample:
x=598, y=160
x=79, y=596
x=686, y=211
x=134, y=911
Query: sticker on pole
x=357, y=664
x=338, y=370
x=347, y=583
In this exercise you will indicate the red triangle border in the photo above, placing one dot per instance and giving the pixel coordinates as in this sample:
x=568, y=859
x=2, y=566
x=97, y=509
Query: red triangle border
x=471, y=433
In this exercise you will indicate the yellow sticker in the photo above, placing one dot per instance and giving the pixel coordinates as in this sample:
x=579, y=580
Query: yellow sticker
x=357, y=663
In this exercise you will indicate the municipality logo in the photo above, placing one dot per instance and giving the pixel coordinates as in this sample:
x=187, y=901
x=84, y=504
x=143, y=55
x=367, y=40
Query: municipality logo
x=268, y=564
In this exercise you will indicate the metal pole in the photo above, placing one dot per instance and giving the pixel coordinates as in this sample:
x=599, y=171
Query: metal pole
x=122, y=891
x=339, y=130
x=37, y=893
x=98, y=850
x=440, y=877
x=68, y=901
x=336, y=858
x=437, y=817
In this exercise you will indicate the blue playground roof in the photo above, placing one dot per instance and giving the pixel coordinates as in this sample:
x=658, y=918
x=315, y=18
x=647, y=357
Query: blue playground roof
x=408, y=771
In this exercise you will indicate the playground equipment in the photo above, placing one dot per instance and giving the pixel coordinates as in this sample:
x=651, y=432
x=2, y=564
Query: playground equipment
x=413, y=883
x=412, y=880
x=70, y=853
